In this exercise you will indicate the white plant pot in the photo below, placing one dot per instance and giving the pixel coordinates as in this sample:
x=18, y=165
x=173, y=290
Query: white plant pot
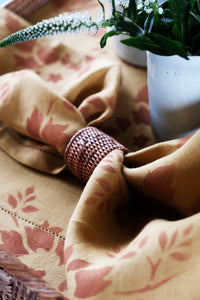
x=174, y=95
x=129, y=54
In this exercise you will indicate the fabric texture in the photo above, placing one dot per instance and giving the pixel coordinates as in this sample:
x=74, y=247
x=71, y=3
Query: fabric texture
x=131, y=232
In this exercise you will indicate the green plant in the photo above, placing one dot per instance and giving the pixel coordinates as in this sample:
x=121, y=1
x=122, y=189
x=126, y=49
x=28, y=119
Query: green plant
x=171, y=27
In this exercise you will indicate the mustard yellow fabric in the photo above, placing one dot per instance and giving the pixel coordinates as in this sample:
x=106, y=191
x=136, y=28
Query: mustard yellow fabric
x=131, y=232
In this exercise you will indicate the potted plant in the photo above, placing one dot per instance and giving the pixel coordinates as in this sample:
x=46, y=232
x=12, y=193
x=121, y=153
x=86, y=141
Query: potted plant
x=170, y=33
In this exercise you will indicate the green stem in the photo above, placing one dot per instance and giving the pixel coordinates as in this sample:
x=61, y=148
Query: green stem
x=113, y=7
x=194, y=16
x=103, y=9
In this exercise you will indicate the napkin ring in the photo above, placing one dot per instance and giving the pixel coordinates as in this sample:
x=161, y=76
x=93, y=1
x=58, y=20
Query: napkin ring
x=86, y=149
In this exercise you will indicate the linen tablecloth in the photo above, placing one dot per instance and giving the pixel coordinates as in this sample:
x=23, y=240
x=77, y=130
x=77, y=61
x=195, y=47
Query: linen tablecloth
x=130, y=232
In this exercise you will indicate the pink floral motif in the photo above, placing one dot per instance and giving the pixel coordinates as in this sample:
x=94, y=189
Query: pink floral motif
x=67, y=253
x=143, y=95
x=60, y=251
x=47, y=55
x=23, y=200
x=170, y=249
x=54, y=77
x=34, y=123
x=104, y=184
x=38, y=238
x=26, y=62
x=159, y=182
x=108, y=168
x=91, y=282
x=5, y=90
x=13, y=242
x=52, y=134
x=123, y=123
x=140, y=141
x=77, y=264
x=63, y=286
x=141, y=116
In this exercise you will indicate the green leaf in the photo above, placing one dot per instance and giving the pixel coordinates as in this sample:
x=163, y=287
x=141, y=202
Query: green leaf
x=132, y=9
x=180, y=10
x=157, y=44
x=149, y=22
x=106, y=36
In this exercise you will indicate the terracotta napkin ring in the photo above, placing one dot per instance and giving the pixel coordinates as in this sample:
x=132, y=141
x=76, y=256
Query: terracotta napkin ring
x=86, y=149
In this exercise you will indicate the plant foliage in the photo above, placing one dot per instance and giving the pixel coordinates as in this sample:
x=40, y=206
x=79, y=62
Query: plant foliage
x=168, y=27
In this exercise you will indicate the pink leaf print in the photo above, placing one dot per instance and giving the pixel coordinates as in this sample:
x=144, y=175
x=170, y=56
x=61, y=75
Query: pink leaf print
x=91, y=201
x=128, y=255
x=60, y=251
x=179, y=256
x=5, y=89
x=97, y=102
x=29, y=209
x=154, y=266
x=13, y=242
x=68, y=105
x=30, y=199
x=159, y=182
x=91, y=283
x=29, y=190
x=54, y=135
x=40, y=237
x=15, y=220
x=40, y=273
x=147, y=288
x=28, y=62
x=34, y=123
x=67, y=253
x=85, y=111
x=123, y=123
x=173, y=239
x=78, y=264
x=109, y=169
x=163, y=240
x=143, y=241
x=47, y=56
x=12, y=201
x=55, y=77
x=140, y=141
x=104, y=184
x=143, y=95
x=186, y=243
x=19, y=195
x=63, y=286
x=188, y=229
x=141, y=116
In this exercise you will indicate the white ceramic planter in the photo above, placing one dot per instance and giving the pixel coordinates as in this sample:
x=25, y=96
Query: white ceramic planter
x=174, y=95
x=129, y=54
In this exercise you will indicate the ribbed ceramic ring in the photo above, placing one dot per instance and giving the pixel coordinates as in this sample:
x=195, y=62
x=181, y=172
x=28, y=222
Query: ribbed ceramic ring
x=86, y=149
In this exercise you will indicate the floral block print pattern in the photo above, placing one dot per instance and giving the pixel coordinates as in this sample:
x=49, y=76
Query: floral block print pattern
x=102, y=240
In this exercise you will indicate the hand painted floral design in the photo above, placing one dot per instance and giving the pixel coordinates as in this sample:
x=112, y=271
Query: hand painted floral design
x=13, y=242
x=159, y=183
x=141, y=116
x=5, y=89
x=38, y=238
x=176, y=247
x=23, y=200
x=53, y=134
